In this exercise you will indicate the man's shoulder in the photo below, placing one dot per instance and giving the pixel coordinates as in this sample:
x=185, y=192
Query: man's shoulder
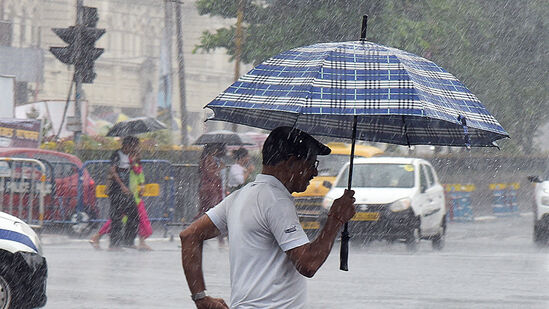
x=269, y=193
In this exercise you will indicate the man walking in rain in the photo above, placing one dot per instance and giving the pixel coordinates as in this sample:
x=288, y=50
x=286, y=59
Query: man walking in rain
x=270, y=255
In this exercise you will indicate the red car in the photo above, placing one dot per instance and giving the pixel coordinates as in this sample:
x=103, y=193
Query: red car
x=60, y=204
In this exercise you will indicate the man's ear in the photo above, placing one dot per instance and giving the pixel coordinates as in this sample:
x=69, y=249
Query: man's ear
x=292, y=161
x=295, y=165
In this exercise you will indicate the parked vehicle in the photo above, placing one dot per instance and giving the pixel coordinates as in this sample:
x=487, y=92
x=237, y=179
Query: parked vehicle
x=541, y=209
x=60, y=204
x=396, y=199
x=309, y=202
x=23, y=269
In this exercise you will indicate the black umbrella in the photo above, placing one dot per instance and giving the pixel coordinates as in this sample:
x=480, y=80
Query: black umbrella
x=222, y=137
x=136, y=126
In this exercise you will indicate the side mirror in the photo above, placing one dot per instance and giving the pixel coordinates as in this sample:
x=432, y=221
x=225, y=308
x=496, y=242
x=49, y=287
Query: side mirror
x=534, y=179
x=327, y=184
x=422, y=188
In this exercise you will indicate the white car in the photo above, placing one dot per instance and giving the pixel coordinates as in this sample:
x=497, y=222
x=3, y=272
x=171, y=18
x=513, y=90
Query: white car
x=541, y=209
x=396, y=199
x=23, y=269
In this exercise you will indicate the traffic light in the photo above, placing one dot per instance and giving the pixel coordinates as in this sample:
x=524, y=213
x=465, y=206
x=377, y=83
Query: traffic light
x=81, y=51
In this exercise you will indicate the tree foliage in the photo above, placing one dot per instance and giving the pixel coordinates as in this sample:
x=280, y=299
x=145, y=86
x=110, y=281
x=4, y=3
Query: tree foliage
x=497, y=48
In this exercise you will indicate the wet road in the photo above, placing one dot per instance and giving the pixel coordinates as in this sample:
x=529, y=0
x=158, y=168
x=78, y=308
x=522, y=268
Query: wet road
x=485, y=264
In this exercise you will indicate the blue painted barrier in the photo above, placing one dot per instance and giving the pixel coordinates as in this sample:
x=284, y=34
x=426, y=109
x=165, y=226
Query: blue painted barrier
x=504, y=198
x=459, y=202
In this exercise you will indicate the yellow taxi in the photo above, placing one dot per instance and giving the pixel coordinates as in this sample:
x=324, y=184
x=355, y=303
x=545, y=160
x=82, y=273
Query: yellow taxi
x=309, y=202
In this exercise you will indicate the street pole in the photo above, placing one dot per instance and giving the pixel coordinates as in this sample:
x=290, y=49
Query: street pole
x=78, y=77
x=168, y=16
x=238, y=45
x=181, y=73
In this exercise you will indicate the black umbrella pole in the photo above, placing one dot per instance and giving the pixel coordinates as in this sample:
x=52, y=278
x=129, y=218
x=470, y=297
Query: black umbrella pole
x=344, y=252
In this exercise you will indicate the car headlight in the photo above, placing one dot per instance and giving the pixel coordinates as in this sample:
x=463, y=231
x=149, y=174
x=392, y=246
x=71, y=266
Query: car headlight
x=327, y=202
x=400, y=205
x=546, y=190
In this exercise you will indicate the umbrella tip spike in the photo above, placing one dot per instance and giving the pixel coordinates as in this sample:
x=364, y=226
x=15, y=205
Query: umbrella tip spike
x=364, y=27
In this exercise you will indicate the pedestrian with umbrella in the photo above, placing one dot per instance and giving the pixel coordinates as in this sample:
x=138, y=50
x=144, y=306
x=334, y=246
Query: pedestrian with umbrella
x=269, y=252
x=122, y=199
x=211, y=185
x=359, y=90
x=211, y=169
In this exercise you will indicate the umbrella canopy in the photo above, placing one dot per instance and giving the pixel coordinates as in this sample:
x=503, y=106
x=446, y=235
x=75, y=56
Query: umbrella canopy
x=136, y=126
x=398, y=97
x=222, y=137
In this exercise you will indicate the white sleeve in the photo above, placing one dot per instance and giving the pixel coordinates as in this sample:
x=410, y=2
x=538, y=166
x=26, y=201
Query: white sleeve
x=283, y=222
x=218, y=215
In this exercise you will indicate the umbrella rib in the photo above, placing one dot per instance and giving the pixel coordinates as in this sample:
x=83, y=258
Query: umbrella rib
x=405, y=129
x=296, y=118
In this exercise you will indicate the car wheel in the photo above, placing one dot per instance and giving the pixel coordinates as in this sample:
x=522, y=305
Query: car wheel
x=439, y=240
x=412, y=240
x=10, y=295
x=540, y=236
x=5, y=293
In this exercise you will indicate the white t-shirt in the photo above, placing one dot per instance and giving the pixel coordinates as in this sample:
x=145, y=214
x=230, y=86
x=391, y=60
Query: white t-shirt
x=236, y=175
x=124, y=160
x=262, y=224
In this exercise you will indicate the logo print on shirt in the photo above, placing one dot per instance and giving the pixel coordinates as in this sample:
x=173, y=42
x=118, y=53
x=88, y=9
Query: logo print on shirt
x=290, y=229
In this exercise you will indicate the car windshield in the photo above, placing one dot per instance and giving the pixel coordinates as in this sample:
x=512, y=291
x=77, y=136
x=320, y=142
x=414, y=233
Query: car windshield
x=379, y=175
x=331, y=164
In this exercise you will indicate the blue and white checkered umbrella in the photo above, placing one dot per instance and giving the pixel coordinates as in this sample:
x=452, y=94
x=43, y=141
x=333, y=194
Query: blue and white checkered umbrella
x=398, y=97
x=359, y=90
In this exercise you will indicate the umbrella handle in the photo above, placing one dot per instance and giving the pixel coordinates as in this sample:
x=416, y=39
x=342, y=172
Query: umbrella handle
x=344, y=250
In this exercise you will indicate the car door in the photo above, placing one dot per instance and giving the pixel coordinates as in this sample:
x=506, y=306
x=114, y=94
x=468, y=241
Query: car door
x=438, y=192
x=421, y=199
x=432, y=209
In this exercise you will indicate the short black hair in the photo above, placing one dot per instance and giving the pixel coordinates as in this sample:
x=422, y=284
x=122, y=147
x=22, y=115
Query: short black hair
x=240, y=153
x=130, y=141
x=284, y=142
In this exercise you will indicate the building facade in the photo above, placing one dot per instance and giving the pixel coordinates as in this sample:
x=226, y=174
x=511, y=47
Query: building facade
x=138, y=56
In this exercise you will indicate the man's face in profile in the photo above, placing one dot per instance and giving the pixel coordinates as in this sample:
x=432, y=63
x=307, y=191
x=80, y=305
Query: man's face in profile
x=302, y=172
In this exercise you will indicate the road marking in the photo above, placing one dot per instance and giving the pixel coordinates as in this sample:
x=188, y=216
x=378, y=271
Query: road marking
x=485, y=218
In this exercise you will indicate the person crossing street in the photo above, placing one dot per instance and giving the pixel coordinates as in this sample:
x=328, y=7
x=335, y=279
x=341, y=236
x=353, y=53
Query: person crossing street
x=270, y=254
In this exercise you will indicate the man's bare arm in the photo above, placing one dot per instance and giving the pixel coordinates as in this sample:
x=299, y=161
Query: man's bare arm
x=192, y=239
x=309, y=257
